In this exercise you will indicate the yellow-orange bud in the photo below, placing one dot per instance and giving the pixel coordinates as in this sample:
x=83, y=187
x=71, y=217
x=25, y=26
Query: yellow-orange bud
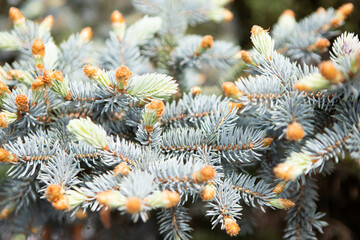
x=246, y=56
x=255, y=30
x=117, y=17
x=172, y=197
x=5, y=156
x=267, y=141
x=320, y=10
x=16, y=74
x=58, y=76
x=122, y=75
x=86, y=34
x=47, y=76
x=91, y=71
x=228, y=15
x=62, y=203
x=48, y=22
x=295, y=132
x=346, y=9
x=289, y=12
x=321, y=45
x=54, y=192
x=22, y=103
x=4, y=88
x=279, y=187
x=38, y=84
x=158, y=106
x=122, y=168
x=133, y=205
x=16, y=15
x=329, y=71
x=284, y=171
x=38, y=48
x=207, y=41
x=336, y=22
x=205, y=174
x=231, y=90
x=231, y=226
x=195, y=90
x=208, y=192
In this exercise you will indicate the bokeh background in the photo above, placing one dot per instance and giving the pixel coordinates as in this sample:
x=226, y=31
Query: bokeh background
x=339, y=193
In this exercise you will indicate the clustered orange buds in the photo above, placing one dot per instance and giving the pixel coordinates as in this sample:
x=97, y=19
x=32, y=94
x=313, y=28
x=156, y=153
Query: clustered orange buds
x=205, y=174
x=231, y=90
x=133, y=205
x=122, y=168
x=195, y=91
x=38, y=83
x=123, y=75
x=157, y=106
x=49, y=76
x=321, y=45
x=267, y=141
x=295, y=132
x=38, y=48
x=172, y=198
x=255, y=30
x=206, y=43
x=91, y=71
x=55, y=194
x=22, y=103
x=48, y=22
x=329, y=71
x=86, y=34
x=16, y=74
x=3, y=88
x=117, y=17
x=231, y=226
x=208, y=192
x=5, y=156
x=16, y=16
x=289, y=12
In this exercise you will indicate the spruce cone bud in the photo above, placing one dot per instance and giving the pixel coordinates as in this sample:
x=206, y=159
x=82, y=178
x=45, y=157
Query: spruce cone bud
x=279, y=187
x=48, y=22
x=231, y=90
x=281, y=203
x=228, y=15
x=5, y=156
x=54, y=192
x=16, y=15
x=329, y=71
x=57, y=75
x=195, y=91
x=117, y=17
x=322, y=44
x=86, y=34
x=246, y=56
x=4, y=88
x=156, y=105
x=208, y=192
x=91, y=71
x=336, y=22
x=207, y=41
x=48, y=76
x=172, y=198
x=346, y=9
x=62, y=203
x=38, y=84
x=231, y=227
x=267, y=141
x=295, y=132
x=289, y=12
x=133, y=205
x=38, y=48
x=285, y=171
x=205, y=174
x=122, y=168
x=320, y=10
x=22, y=103
x=255, y=30
x=16, y=74
x=123, y=75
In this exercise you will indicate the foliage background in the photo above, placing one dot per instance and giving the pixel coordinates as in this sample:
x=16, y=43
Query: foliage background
x=339, y=192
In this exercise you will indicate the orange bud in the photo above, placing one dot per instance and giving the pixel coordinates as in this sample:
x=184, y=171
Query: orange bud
x=294, y=132
x=289, y=12
x=228, y=15
x=62, y=203
x=38, y=48
x=231, y=227
x=123, y=75
x=54, y=192
x=320, y=10
x=255, y=30
x=207, y=41
x=329, y=71
x=205, y=174
x=16, y=74
x=86, y=34
x=47, y=76
x=286, y=203
x=279, y=187
x=122, y=168
x=208, y=192
x=195, y=90
x=5, y=156
x=4, y=88
x=38, y=84
x=267, y=141
x=246, y=56
x=172, y=197
x=346, y=9
x=301, y=87
x=48, y=22
x=133, y=205
x=16, y=15
x=3, y=124
x=22, y=103
x=231, y=90
x=91, y=71
x=336, y=22
x=322, y=44
x=104, y=198
x=284, y=171
x=117, y=17
x=158, y=106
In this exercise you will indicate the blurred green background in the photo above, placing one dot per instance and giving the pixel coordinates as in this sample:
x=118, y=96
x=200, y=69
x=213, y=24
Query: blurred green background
x=338, y=193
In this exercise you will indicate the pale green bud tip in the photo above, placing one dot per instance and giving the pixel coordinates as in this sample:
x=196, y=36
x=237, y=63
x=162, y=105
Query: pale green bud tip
x=86, y=131
x=312, y=82
x=281, y=203
x=110, y=198
x=76, y=197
